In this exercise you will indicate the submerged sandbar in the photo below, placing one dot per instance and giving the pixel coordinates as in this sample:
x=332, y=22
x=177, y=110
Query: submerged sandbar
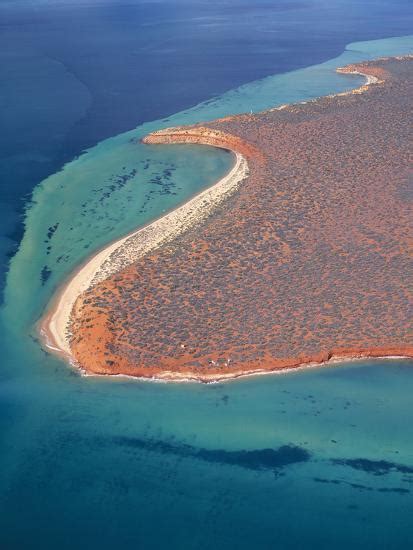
x=308, y=261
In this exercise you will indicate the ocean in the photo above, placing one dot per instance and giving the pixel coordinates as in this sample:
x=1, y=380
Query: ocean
x=320, y=458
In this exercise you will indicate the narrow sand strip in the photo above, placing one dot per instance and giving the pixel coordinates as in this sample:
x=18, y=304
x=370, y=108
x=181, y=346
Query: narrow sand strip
x=369, y=80
x=125, y=251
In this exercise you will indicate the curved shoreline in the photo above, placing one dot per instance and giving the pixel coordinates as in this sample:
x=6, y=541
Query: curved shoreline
x=54, y=326
x=188, y=378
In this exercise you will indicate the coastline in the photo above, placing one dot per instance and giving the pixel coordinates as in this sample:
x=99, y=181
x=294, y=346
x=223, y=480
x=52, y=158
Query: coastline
x=188, y=378
x=54, y=326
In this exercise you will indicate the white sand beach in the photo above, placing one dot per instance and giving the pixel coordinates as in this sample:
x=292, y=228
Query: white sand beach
x=54, y=327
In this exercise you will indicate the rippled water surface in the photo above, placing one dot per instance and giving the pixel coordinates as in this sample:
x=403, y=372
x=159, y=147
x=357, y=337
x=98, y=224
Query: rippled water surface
x=321, y=458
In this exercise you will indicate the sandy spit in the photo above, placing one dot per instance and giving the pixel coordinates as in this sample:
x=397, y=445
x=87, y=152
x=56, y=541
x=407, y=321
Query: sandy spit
x=54, y=327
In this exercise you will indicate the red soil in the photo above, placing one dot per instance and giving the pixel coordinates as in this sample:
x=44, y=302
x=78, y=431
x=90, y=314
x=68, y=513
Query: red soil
x=311, y=259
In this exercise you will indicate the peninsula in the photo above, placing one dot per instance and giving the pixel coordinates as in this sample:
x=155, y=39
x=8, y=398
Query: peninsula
x=301, y=255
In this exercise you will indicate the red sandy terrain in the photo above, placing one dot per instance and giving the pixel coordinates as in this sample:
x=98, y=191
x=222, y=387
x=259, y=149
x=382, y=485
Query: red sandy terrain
x=311, y=258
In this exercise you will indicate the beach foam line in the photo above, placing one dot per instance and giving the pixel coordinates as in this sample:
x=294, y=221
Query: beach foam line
x=54, y=327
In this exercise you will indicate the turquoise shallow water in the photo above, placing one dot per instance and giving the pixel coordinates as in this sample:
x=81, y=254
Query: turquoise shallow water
x=316, y=458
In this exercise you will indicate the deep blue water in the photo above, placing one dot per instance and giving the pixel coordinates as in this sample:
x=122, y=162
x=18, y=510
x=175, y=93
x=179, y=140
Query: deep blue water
x=316, y=459
x=74, y=72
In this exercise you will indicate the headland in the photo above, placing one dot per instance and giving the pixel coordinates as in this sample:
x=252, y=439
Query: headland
x=307, y=262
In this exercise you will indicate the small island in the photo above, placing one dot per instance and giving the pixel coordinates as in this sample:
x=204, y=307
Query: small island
x=301, y=255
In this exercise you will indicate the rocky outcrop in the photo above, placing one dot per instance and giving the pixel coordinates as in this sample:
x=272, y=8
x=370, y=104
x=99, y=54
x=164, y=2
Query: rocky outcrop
x=202, y=135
